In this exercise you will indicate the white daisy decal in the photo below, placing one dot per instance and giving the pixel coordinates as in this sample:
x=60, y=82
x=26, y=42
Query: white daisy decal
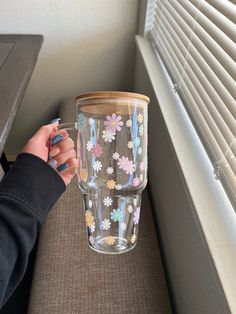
x=141, y=130
x=130, y=144
x=118, y=187
x=89, y=146
x=97, y=166
x=108, y=136
x=135, y=201
x=110, y=170
x=116, y=156
x=106, y=224
x=90, y=203
x=123, y=226
x=140, y=151
x=141, y=177
x=130, y=209
x=92, y=228
x=91, y=121
x=129, y=123
x=107, y=201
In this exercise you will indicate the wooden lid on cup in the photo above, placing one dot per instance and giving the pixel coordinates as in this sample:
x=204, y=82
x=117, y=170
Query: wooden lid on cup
x=108, y=102
x=112, y=95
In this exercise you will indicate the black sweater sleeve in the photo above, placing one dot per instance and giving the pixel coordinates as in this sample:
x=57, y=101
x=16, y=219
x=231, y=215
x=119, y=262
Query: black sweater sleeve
x=27, y=192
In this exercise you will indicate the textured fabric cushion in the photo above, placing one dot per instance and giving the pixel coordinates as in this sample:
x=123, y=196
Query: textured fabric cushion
x=70, y=278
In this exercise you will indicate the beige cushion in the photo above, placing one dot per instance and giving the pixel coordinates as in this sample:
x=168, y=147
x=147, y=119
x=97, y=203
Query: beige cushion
x=70, y=278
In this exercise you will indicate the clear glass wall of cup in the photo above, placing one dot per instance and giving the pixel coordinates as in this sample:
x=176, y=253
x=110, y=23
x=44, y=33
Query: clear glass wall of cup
x=111, y=135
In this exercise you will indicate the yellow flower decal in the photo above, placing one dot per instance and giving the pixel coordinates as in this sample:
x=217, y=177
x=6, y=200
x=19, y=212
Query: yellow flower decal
x=110, y=240
x=89, y=218
x=140, y=118
x=84, y=174
x=111, y=184
x=133, y=238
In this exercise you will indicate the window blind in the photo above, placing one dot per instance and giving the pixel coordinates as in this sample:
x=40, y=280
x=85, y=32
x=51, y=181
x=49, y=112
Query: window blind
x=196, y=42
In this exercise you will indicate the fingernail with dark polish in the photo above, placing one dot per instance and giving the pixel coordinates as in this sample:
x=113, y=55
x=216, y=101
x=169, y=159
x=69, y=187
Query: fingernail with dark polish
x=56, y=139
x=62, y=167
x=54, y=120
x=53, y=163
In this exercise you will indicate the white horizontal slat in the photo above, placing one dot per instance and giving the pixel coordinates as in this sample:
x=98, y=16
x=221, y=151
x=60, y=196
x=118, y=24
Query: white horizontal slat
x=225, y=7
x=160, y=47
x=222, y=58
x=195, y=39
x=211, y=14
x=209, y=65
x=222, y=116
x=224, y=169
x=219, y=146
x=222, y=144
x=178, y=38
x=215, y=34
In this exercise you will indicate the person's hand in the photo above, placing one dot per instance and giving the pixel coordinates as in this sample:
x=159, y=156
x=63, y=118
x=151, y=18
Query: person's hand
x=48, y=141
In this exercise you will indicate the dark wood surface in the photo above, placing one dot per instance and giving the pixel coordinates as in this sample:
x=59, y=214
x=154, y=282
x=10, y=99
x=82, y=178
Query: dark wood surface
x=18, y=55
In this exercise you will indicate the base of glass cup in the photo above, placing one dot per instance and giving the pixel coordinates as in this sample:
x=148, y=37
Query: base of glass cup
x=121, y=245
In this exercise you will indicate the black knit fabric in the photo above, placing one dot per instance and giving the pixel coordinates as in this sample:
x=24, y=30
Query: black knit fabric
x=27, y=193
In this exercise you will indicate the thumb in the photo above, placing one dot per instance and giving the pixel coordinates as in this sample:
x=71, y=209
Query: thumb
x=46, y=131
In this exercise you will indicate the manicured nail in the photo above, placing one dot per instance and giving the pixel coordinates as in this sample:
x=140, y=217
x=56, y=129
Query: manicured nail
x=54, y=120
x=53, y=163
x=56, y=139
x=54, y=152
x=62, y=167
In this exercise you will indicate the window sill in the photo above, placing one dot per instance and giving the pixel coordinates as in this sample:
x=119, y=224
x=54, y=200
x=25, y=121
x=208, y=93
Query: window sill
x=211, y=204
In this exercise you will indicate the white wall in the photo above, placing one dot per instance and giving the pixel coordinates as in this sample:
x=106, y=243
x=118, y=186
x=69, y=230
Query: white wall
x=88, y=45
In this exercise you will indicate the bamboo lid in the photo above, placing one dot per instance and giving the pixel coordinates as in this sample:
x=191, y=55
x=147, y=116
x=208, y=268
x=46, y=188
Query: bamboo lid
x=111, y=94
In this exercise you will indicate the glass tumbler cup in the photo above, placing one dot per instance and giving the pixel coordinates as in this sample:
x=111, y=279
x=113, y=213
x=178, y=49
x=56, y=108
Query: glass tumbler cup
x=111, y=135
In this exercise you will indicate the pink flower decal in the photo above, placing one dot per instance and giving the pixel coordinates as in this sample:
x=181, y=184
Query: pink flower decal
x=141, y=166
x=136, y=181
x=127, y=165
x=97, y=150
x=113, y=123
x=136, y=216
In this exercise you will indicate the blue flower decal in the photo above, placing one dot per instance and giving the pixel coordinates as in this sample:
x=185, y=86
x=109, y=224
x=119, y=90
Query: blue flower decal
x=136, y=141
x=116, y=214
x=80, y=122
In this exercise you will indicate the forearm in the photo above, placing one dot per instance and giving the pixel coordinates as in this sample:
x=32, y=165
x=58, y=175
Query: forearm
x=26, y=194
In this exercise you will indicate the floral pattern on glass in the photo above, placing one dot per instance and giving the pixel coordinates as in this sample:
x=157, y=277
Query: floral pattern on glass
x=127, y=165
x=84, y=174
x=89, y=218
x=133, y=238
x=128, y=160
x=106, y=224
x=107, y=201
x=97, y=150
x=113, y=123
x=111, y=184
x=108, y=136
x=117, y=214
x=110, y=240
